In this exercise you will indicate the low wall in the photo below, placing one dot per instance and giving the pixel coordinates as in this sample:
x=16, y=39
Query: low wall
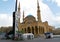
x=57, y=36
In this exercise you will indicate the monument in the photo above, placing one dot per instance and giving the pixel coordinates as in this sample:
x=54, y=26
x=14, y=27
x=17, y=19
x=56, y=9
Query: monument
x=16, y=17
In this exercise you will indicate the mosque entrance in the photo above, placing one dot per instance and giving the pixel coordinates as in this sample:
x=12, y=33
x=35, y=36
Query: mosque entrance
x=29, y=30
x=33, y=30
x=36, y=29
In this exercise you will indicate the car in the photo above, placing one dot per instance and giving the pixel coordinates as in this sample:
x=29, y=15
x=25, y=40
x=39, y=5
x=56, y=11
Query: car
x=48, y=35
x=2, y=36
x=28, y=36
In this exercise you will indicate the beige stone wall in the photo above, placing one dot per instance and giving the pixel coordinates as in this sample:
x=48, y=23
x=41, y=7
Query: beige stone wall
x=41, y=27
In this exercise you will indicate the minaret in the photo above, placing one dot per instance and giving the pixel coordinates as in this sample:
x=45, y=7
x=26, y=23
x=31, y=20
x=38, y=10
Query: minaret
x=23, y=16
x=19, y=8
x=38, y=12
x=19, y=12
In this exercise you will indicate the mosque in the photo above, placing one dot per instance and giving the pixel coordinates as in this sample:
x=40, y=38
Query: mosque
x=31, y=25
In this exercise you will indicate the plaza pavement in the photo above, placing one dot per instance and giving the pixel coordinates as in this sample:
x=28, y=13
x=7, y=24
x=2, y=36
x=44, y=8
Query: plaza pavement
x=35, y=40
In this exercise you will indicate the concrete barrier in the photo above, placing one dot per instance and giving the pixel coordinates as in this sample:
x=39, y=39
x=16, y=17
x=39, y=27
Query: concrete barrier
x=56, y=36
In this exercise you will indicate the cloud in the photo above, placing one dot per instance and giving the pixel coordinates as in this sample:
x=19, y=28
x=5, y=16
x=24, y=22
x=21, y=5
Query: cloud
x=57, y=20
x=5, y=0
x=5, y=20
x=48, y=15
x=30, y=7
x=56, y=1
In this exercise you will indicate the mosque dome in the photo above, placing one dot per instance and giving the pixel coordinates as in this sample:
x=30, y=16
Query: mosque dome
x=30, y=18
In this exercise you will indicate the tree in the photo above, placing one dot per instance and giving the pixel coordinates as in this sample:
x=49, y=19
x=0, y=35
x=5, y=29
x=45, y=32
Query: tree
x=20, y=31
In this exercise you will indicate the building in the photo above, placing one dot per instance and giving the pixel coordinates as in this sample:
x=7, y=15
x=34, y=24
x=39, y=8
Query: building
x=31, y=25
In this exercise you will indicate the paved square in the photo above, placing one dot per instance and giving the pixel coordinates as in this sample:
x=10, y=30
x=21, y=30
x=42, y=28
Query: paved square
x=35, y=40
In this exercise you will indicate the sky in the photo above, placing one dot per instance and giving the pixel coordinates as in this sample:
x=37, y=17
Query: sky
x=49, y=11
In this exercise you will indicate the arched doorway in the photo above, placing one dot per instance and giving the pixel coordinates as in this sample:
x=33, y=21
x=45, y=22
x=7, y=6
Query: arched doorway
x=29, y=30
x=43, y=29
x=25, y=30
x=33, y=30
x=39, y=29
x=36, y=29
x=22, y=29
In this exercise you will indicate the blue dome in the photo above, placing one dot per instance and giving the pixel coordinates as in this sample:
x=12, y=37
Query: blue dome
x=30, y=15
